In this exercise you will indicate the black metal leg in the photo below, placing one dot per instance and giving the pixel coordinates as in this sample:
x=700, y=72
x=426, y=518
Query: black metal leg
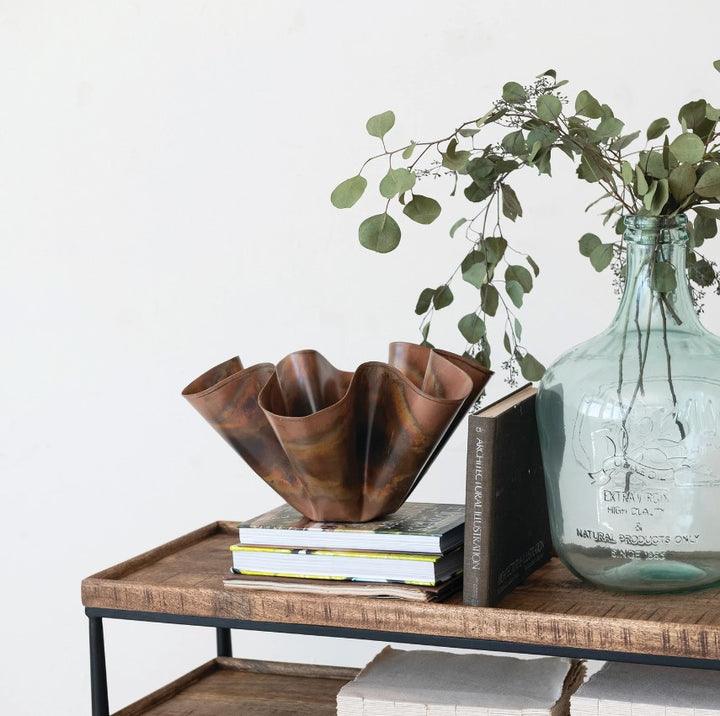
x=224, y=641
x=98, y=673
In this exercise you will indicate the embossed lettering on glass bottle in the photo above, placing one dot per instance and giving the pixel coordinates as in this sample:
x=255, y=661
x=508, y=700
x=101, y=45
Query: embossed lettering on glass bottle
x=630, y=431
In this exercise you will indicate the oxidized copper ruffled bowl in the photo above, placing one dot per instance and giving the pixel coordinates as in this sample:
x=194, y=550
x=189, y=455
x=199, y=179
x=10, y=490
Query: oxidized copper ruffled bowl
x=337, y=445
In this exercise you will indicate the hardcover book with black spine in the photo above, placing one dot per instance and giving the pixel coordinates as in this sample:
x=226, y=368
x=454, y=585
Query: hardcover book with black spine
x=507, y=529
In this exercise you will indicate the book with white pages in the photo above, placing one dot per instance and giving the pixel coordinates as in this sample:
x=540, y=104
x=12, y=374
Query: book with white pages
x=439, y=683
x=420, y=527
x=619, y=689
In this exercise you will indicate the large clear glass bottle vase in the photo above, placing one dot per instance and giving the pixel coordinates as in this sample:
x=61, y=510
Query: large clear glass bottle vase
x=629, y=427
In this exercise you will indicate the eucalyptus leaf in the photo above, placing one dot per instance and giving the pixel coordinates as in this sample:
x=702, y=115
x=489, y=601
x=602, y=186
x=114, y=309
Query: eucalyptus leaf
x=653, y=165
x=692, y=114
x=624, y=142
x=702, y=273
x=510, y=205
x=494, y=248
x=456, y=226
x=606, y=111
x=346, y=194
x=688, y=148
x=380, y=233
x=590, y=170
x=396, y=181
x=518, y=329
x=514, y=93
x=663, y=278
x=483, y=356
x=515, y=143
x=442, y=297
x=657, y=197
x=472, y=327
x=530, y=367
x=515, y=291
x=588, y=243
x=657, y=128
x=455, y=161
x=408, y=151
x=423, y=209
x=716, y=65
x=587, y=106
x=481, y=169
x=521, y=275
x=474, y=268
x=489, y=299
x=707, y=211
x=609, y=127
x=549, y=107
x=535, y=149
x=424, y=301
x=543, y=134
x=682, y=181
x=492, y=116
x=704, y=227
x=479, y=190
x=627, y=173
x=708, y=185
x=601, y=256
x=505, y=166
x=380, y=124
x=649, y=196
x=507, y=345
x=533, y=265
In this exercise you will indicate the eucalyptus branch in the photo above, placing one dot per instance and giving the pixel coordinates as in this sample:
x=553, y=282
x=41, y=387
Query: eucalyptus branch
x=536, y=122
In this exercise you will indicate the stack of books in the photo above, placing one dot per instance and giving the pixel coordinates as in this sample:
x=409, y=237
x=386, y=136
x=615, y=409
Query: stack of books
x=437, y=683
x=641, y=689
x=415, y=553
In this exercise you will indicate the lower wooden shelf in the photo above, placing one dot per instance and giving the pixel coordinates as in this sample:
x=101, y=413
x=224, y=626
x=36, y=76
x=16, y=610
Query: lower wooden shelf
x=236, y=687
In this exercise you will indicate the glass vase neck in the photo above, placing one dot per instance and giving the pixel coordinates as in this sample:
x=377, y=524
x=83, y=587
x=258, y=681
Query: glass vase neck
x=655, y=229
x=656, y=253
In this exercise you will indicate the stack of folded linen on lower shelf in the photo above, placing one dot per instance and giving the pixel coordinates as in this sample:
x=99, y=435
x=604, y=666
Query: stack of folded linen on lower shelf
x=437, y=683
x=647, y=690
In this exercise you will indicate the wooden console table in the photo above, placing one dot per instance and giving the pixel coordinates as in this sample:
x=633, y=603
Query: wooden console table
x=553, y=613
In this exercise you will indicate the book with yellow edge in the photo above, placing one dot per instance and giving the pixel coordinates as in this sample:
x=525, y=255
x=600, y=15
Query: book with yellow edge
x=423, y=569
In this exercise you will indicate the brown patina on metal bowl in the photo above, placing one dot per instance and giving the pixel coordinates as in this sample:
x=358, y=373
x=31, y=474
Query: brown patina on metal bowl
x=337, y=445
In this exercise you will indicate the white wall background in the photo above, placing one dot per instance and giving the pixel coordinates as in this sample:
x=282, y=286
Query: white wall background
x=165, y=168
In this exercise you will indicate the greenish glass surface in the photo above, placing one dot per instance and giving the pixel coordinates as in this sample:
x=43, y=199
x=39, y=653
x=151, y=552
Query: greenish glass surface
x=629, y=427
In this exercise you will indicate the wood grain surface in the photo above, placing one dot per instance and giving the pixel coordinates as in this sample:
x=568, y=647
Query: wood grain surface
x=551, y=608
x=242, y=686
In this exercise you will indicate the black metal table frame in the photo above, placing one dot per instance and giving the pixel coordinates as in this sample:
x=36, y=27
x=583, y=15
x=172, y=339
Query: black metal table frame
x=223, y=627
